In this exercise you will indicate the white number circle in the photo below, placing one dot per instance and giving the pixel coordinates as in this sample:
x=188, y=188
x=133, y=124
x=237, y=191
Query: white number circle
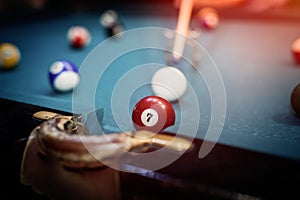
x=149, y=117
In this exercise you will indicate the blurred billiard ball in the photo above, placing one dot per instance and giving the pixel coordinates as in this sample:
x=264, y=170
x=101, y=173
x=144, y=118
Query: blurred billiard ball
x=10, y=55
x=79, y=36
x=296, y=50
x=208, y=18
x=110, y=21
x=169, y=82
x=295, y=99
x=153, y=113
x=115, y=30
x=63, y=76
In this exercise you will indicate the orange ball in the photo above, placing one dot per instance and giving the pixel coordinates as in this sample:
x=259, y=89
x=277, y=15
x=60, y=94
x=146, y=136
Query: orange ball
x=9, y=56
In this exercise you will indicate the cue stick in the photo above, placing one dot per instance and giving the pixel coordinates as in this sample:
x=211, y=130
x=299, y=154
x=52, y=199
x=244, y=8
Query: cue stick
x=184, y=16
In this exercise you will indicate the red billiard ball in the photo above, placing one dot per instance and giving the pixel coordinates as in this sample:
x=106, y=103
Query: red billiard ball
x=208, y=18
x=153, y=113
x=295, y=99
x=296, y=50
x=79, y=36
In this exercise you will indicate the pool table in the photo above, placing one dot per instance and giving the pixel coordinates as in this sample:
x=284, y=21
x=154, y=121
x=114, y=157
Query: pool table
x=254, y=137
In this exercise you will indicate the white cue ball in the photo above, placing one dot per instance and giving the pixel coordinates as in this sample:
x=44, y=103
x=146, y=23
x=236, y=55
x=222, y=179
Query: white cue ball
x=169, y=83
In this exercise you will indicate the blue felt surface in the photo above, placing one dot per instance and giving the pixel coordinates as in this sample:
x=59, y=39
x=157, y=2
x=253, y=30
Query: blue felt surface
x=253, y=57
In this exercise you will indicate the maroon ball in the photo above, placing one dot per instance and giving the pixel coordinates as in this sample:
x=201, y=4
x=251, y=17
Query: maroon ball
x=295, y=99
x=153, y=113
